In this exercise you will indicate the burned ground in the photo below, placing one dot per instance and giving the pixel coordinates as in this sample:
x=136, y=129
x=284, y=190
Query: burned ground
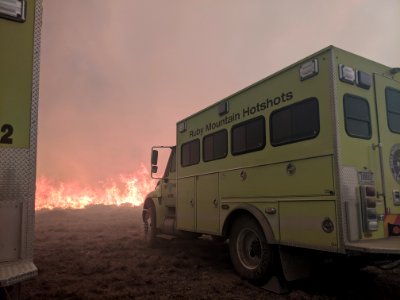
x=99, y=253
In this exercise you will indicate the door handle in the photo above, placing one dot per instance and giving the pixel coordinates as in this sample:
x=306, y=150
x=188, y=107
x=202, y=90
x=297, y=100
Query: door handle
x=374, y=146
x=290, y=168
x=215, y=202
x=379, y=146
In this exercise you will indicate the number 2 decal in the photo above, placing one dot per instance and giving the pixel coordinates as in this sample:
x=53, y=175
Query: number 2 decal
x=6, y=135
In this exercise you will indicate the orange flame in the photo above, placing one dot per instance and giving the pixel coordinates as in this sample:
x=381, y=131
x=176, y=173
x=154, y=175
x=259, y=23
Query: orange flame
x=129, y=189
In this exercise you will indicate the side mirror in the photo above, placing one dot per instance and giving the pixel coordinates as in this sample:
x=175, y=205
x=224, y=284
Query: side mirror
x=154, y=158
x=154, y=169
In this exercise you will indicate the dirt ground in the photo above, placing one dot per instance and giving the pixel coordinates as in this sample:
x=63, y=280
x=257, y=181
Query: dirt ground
x=99, y=253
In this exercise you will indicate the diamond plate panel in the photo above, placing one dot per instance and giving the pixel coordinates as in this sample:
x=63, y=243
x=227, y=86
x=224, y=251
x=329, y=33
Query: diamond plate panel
x=351, y=202
x=12, y=273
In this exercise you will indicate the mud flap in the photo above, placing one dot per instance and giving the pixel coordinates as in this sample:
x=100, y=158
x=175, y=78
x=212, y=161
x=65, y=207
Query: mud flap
x=145, y=217
x=296, y=263
x=12, y=292
x=277, y=285
x=293, y=264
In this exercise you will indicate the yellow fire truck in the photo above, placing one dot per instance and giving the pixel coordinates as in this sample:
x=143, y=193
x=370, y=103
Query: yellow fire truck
x=305, y=159
x=20, y=22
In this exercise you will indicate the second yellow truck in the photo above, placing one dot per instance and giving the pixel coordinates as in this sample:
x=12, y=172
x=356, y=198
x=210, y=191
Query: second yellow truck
x=305, y=159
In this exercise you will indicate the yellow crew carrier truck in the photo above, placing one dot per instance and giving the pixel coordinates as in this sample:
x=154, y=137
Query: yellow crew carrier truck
x=305, y=159
x=20, y=22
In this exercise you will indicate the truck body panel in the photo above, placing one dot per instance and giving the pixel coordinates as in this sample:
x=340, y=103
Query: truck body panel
x=19, y=93
x=312, y=152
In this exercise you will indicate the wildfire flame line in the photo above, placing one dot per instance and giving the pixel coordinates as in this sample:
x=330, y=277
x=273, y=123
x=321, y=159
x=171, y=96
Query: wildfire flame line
x=128, y=189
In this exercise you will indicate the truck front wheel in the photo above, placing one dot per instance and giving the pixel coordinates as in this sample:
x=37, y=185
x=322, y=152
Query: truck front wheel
x=150, y=228
x=250, y=252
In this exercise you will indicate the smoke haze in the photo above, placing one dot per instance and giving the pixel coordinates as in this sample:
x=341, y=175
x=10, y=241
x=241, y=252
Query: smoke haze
x=117, y=75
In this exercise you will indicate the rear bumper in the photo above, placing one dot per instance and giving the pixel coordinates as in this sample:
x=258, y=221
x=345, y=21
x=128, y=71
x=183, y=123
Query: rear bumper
x=389, y=245
x=15, y=272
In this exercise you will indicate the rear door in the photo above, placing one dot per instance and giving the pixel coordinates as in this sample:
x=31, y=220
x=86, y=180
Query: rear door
x=387, y=100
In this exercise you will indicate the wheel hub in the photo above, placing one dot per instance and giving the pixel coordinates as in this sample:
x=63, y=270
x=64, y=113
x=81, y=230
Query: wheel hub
x=249, y=248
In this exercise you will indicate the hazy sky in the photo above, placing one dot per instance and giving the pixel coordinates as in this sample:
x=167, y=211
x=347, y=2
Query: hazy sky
x=116, y=75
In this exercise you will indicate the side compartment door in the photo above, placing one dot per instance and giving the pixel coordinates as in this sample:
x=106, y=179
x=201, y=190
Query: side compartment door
x=388, y=112
x=207, y=203
x=185, y=210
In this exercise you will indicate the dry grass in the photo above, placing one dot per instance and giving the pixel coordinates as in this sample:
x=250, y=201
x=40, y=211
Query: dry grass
x=99, y=253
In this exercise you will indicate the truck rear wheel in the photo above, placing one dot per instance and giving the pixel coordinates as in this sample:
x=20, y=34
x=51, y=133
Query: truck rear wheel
x=250, y=252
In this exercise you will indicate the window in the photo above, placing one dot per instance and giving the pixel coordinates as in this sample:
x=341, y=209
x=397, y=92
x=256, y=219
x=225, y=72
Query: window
x=215, y=146
x=294, y=123
x=393, y=109
x=357, y=117
x=172, y=166
x=248, y=136
x=190, y=153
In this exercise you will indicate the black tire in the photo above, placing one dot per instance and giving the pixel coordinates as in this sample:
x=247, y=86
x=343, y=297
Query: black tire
x=251, y=255
x=150, y=225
